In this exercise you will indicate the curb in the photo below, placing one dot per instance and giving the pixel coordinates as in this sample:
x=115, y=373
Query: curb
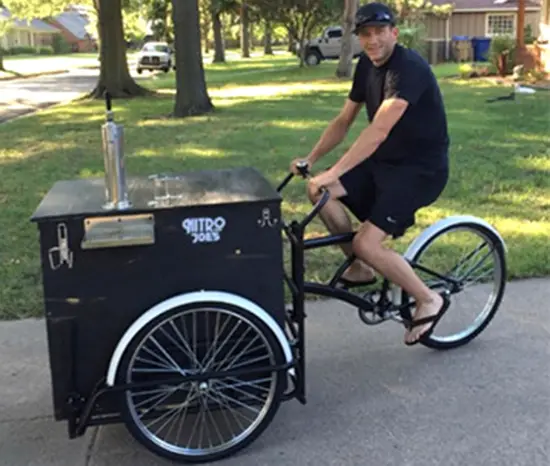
x=35, y=110
x=48, y=73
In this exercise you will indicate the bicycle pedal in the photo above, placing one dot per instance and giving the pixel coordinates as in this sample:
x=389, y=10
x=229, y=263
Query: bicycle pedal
x=370, y=317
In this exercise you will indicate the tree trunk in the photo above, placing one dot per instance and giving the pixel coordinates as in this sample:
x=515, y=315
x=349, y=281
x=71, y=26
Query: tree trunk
x=219, y=47
x=114, y=75
x=302, y=48
x=344, y=69
x=205, y=29
x=268, y=48
x=167, y=27
x=304, y=33
x=520, y=33
x=191, y=93
x=2, y=61
x=290, y=42
x=245, y=32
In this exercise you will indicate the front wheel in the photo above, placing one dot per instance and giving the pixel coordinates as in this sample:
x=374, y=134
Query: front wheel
x=313, y=58
x=206, y=420
x=471, y=262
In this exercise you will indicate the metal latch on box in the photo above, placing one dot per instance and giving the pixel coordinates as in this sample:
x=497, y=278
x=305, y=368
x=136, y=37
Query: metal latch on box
x=117, y=231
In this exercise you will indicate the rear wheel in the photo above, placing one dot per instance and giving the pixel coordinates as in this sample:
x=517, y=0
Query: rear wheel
x=472, y=256
x=205, y=420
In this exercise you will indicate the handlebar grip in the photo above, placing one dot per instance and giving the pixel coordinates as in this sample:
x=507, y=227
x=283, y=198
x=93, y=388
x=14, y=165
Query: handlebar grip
x=304, y=172
x=303, y=168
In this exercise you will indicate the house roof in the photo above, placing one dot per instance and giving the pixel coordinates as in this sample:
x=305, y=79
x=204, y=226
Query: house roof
x=36, y=24
x=75, y=22
x=487, y=5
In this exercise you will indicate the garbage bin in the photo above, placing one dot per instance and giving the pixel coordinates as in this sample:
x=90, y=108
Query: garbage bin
x=481, y=46
x=462, y=48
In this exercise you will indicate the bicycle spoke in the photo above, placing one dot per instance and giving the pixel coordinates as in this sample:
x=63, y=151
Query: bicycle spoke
x=205, y=417
x=472, y=258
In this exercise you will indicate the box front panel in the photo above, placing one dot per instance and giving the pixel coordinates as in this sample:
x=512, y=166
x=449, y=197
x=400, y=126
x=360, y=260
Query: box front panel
x=235, y=248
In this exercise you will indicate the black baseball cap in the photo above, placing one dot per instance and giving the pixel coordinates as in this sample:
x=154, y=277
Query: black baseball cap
x=373, y=14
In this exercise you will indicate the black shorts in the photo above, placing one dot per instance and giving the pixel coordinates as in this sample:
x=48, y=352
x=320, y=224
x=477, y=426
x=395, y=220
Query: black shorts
x=390, y=195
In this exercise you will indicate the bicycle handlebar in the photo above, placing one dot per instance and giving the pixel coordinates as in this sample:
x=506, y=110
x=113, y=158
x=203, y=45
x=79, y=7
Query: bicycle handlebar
x=304, y=172
x=302, y=168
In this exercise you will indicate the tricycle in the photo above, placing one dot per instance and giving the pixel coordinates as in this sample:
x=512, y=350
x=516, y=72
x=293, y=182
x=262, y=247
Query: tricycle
x=169, y=306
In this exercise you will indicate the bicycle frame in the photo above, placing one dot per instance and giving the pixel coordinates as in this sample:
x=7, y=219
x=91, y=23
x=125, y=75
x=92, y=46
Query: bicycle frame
x=384, y=307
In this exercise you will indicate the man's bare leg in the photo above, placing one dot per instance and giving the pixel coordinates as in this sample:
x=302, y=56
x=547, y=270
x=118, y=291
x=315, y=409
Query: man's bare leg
x=368, y=246
x=337, y=222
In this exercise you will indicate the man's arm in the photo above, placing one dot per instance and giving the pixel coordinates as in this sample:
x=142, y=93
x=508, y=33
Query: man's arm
x=387, y=116
x=336, y=131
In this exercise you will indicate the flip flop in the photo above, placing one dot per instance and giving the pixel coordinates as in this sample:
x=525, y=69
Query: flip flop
x=351, y=283
x=424, y=320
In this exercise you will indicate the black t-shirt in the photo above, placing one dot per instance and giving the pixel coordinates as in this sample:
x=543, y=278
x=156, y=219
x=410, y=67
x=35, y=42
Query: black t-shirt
x=420, y=137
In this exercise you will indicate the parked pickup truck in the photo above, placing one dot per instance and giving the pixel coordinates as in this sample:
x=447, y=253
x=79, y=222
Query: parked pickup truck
x=328, y=46
x=155, y=56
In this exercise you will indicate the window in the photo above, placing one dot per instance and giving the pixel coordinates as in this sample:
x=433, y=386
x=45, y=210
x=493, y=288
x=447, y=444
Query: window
x=335, y=33
x=155, y=48
x=501, y=24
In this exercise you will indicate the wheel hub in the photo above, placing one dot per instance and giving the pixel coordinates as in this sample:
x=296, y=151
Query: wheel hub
x=202, y=387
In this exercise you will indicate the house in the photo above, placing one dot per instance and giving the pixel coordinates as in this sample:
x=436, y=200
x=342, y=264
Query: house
x=35, y=33
x=543, y=45
x=76, y=27
x=479, y=19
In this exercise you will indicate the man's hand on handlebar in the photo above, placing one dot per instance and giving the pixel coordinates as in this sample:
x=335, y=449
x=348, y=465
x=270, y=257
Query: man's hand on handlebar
x=324, y=180
x=300, y=167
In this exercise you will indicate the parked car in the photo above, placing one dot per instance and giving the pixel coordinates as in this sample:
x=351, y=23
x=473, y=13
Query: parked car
x=328, y=46
x=155, y=56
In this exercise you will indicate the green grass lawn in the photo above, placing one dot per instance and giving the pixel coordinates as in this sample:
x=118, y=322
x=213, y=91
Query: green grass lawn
x=268, y=112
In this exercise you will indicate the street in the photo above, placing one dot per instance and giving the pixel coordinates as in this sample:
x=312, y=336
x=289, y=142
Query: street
x=22, y=96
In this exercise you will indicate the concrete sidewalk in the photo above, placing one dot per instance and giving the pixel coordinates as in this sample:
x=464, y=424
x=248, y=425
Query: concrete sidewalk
x=371, y=400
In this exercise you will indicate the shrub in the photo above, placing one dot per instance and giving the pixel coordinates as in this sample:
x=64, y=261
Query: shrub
x=60, y=45
x=22, y=50
x=45, y=51
x=502, y=54
x=533, y=76
x=465, y=70
x=412, y=34
x=529, y=37
x=474, y=70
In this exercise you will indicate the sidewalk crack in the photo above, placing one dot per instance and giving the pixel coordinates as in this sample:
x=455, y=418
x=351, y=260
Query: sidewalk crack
x=25, y=419
x=89, y=450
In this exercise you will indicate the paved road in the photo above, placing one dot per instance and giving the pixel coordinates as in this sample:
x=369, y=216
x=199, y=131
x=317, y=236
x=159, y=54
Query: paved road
x=371, y=400
x=22, y=96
